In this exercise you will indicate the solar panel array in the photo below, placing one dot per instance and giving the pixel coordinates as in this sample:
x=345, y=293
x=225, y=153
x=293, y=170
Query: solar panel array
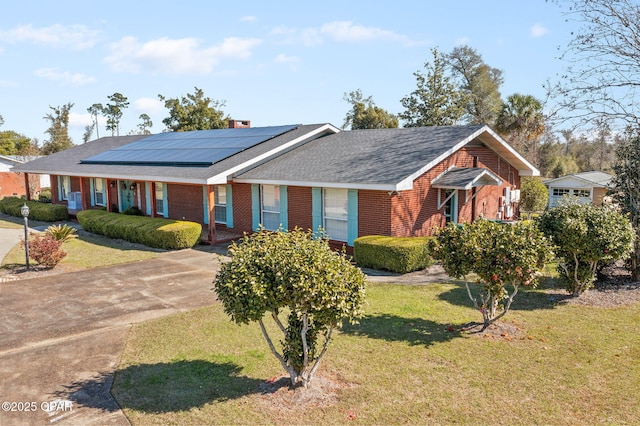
x=200, y=148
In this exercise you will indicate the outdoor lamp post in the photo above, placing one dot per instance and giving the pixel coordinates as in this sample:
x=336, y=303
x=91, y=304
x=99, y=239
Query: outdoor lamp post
x=25, y=214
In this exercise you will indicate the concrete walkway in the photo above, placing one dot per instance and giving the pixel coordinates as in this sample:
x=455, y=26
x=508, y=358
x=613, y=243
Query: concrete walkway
x=61, y=335
x=8, y=239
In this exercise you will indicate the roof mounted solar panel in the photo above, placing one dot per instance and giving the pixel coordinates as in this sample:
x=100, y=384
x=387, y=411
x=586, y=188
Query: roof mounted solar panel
x=200, y=148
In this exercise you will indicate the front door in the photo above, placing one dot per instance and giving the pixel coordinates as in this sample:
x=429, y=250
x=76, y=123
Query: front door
x=451, y=206
x=127, y=195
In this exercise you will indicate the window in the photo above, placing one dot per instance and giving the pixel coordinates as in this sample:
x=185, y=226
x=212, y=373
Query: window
x=270, y=207
x=450, y=206
x=64, y=187
x=160, y=198
x=220, y=202
x=559, y=192
x=99, y=186
x=335, y=204
x=582, y=193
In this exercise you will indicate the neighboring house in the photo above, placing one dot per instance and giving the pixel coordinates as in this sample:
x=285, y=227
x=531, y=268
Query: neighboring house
x=398, y=182
x=587, y=187
x=13, y=184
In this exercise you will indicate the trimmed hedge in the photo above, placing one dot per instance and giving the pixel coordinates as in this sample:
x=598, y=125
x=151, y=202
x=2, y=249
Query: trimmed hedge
x=43, y=212
x=396, y=254
x=153, y=232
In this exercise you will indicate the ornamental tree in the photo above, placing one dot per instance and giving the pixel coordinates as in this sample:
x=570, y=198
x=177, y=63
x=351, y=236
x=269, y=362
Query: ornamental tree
x=586, y=236
x=293, y=275
x=502, y=257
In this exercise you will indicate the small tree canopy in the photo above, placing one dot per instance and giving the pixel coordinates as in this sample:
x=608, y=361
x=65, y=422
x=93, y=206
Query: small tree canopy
x=194, y=112
x=585, y=237
x=500, y=255
x=296, y=275
x=534, y=196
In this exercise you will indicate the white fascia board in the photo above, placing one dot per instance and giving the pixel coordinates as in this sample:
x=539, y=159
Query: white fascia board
x=530, y=170
x=221, y=178
x=407, y=183
x=340, y=185
x=568, y=177
x=150, y=178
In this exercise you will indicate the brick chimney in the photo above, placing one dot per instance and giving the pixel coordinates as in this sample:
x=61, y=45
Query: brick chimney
x=239, y=124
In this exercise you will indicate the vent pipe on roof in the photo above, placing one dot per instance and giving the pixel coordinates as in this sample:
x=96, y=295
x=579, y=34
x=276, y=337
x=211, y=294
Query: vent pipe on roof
x=239, y=124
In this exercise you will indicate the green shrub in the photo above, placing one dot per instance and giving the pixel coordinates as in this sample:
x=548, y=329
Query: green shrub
x=153, y=232
x=396, y=254
x=586, y=236
x=61, y=232
x=45, y=195
x=43, y=212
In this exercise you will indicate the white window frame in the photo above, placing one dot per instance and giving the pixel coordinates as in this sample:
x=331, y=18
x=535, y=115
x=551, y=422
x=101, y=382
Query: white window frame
x=219, y=204
x=159, y=201
x=102, y=192
x=269, y=211
x=560, y=192
x=329, y=216
x=64, y=187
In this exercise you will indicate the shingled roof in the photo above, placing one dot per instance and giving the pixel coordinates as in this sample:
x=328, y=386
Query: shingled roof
x=69, y=162
x=384, y=159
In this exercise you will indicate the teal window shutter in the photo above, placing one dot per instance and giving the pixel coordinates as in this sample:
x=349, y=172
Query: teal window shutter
x=229, y=207
x=147, y=195
x=284, y=207
x=165, y=201
x=352, y=215
x=255, y=206
x=316, y=208
x=205, y=203
x=92, y=188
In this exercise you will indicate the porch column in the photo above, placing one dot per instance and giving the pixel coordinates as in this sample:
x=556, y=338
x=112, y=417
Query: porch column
x=26, y=186
x=152, y=196
x=84, y=199
x=211, y=234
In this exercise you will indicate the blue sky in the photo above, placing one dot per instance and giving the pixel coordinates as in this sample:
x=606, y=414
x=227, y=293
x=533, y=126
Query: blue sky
x=274, y=63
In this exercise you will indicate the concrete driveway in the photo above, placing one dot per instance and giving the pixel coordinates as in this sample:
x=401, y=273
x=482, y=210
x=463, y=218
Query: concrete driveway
x=61, y=336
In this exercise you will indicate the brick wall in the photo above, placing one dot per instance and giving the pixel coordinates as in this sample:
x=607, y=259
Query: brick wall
x=299, y=206
x=374, y=213
x=241, y=193
x=415, y=212
x=11, y=184
x=185, y=202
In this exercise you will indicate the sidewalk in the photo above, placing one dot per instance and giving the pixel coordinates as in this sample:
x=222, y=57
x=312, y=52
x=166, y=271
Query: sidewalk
x=8, y=239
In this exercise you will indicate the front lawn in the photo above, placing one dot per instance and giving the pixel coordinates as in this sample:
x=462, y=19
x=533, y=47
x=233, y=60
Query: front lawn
x=407, y=362
x=85, y=251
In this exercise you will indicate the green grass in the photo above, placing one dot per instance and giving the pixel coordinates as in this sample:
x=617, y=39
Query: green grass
x=86, y=251
x=572, y=365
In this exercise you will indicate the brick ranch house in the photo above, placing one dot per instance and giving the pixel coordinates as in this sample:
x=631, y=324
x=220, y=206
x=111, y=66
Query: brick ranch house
x=13, y=184
x=396, y=182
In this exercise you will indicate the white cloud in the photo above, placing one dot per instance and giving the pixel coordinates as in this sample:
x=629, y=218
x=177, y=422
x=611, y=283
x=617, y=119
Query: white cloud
x=347, y=31
x=65, y=77
x=148, y=106
x=75, y=37
x=340, y=31
x=462, y=41
x=175, y=56
x=248, y=19
x=79, y=120
x=282, y=58
x=538, y=30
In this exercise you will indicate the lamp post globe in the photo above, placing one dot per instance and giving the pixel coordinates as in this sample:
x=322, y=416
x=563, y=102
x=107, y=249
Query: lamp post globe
x=25, y=213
